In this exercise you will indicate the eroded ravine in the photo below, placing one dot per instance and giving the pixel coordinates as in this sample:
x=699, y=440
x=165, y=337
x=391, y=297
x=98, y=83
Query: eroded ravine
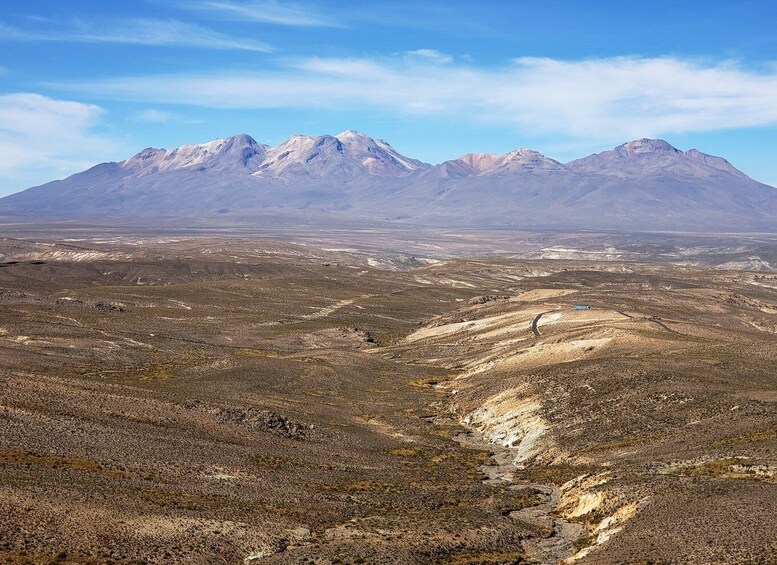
x=484, y=347
x=556, y=536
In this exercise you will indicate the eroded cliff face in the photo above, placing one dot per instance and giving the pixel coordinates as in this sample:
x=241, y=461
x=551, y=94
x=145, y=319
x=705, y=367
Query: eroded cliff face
x=510, y=420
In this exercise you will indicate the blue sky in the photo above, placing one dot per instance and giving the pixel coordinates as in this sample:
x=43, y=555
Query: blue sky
x=85, y=81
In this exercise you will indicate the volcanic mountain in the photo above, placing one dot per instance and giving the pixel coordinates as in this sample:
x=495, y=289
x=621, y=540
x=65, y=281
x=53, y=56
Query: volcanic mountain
x=645, y=184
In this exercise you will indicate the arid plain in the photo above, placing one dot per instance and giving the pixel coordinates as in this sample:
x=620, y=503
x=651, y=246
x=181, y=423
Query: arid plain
x=215, y=400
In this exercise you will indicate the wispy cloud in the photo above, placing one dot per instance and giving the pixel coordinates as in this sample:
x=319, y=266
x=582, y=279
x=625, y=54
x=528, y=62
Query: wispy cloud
x=269, y=11
x=13, y=34
x=330, y=13
x=137, y=31
x=42, y=137
x=153, y=116
x=430, y=55
x=597, y=99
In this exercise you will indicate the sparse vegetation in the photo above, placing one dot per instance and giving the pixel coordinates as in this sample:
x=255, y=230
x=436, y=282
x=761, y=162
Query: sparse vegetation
x=205, y=414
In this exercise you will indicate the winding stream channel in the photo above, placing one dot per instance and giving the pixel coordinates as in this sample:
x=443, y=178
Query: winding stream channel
x=552, y=549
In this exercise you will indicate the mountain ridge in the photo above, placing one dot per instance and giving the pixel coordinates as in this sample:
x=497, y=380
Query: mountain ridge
x=642, y=184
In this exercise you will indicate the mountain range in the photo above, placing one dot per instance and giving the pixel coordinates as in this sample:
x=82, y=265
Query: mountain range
x=646, y=184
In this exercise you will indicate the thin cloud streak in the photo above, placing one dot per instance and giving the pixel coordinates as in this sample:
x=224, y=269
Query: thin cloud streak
x=153, y=116
x=268, y=11
x=597, y=99
x=329, y=14
x=431, y=56
x=137, y=31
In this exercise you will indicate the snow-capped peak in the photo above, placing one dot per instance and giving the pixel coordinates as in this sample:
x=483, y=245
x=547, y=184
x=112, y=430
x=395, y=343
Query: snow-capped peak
x=647, y=146
x=354, y=136
x=239, y=150
x=378, y=157
x=347, y=154
x=304, y=155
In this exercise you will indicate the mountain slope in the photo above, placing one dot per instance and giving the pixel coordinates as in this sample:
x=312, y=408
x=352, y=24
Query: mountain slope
x=644, y=157
x=240, y=151
x=645, y=184
x=226, y=176
x=641, y=185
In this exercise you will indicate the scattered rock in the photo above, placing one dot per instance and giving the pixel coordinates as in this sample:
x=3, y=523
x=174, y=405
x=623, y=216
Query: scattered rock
x=486, y=299
x=262, y=420
x=104, y=307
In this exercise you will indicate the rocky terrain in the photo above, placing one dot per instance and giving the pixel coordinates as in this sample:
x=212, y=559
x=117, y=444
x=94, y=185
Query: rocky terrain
x=213, y=400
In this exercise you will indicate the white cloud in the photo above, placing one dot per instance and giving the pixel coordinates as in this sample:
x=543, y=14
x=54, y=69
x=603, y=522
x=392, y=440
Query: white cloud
x=597, y=99
x=43, y=138
x=269, y=11
x=137, y=31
